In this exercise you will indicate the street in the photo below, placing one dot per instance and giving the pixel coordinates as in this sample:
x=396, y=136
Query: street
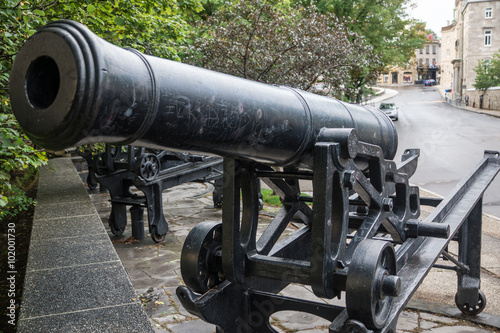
x=451, y=141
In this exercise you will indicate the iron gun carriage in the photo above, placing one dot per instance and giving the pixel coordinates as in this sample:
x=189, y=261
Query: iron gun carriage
x=151, y=171
x=360, y=233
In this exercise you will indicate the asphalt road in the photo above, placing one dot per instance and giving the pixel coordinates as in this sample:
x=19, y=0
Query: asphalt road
x=451, y=141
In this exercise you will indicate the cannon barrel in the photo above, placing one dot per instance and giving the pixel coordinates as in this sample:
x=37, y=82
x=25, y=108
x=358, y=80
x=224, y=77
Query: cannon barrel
x=70, y=87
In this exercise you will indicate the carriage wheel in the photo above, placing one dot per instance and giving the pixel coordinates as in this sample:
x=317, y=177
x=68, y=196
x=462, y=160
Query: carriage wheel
x=372, y=283
x=200, y=268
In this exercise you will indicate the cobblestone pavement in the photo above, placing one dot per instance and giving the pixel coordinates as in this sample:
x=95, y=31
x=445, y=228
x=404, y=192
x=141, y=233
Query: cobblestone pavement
x=155, y=274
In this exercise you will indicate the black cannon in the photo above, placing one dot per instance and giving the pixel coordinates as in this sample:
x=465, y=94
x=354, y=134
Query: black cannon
x=152, y=171
x=359, y=233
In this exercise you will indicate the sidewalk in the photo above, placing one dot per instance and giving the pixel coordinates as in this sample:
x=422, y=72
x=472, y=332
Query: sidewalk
x=383, y=94
x=462, y=105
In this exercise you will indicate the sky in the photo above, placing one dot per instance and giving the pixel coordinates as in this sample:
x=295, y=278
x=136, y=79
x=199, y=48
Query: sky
x=435, y=13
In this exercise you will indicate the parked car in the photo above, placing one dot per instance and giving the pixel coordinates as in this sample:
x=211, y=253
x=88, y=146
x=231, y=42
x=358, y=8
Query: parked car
x=390, y=109
x=430, y=82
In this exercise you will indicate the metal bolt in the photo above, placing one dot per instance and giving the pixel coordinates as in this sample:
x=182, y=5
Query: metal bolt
x=391, y=285
x=387, y=204
x=349, y=178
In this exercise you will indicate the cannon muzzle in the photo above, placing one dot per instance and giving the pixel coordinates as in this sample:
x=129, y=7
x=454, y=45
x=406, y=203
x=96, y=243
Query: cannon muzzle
x=70, y=87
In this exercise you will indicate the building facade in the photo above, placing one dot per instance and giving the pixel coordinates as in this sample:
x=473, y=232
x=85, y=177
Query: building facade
x=425, y=65
x=476, y=36
x=448, y=55
x=429, y=59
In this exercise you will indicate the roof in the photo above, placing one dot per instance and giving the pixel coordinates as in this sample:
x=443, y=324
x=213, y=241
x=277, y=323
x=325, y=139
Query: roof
x=448, y=27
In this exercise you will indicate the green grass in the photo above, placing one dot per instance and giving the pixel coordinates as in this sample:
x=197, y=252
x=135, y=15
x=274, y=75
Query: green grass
x=270, y=198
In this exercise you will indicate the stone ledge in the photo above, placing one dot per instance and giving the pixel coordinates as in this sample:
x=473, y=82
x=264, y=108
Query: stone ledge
x=74, y=279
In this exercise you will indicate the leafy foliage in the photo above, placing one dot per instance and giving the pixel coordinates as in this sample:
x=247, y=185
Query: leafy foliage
x=487, y=73
x=384, y=23
x=385, y=26
x=276, y=43
x=17, y=159
x=153, y=27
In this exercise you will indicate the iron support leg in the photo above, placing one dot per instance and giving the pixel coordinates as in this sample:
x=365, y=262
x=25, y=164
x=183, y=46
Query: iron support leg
x=158, y=225
x=117, y=218
x=469, y=254
x=137, y=217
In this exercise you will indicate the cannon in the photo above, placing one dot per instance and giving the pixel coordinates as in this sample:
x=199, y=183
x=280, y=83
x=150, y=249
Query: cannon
x=152, y=171
x=358, y=235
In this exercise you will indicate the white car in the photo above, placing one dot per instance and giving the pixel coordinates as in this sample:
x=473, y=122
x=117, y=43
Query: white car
x=390, y=109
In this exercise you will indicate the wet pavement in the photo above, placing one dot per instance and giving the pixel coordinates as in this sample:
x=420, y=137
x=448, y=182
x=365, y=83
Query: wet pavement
x=154, y=271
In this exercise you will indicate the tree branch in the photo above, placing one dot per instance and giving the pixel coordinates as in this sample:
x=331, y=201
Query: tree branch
x=268, y=68
x=250, y=38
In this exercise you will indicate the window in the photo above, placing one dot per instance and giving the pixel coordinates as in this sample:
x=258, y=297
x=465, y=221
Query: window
x=421, y=51
x=433, y=49
x=433, y=62
x=487, y=38
x=447, y=53
x=427, y=49
x=427, y=61
x=420, y=62
x=488, y=13
x=487, y=64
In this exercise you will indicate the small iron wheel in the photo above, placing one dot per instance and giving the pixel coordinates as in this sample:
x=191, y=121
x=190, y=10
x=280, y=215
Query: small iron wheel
x=156, y=236
x=475, y=309
x=372, y=283
x=200, y=268
x=148, y=166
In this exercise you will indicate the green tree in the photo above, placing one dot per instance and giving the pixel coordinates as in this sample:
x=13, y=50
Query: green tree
x=487, y=74
x=484, y=78
x=384, y=23
x=154, y=27
x=386, y=27
x=276, y=43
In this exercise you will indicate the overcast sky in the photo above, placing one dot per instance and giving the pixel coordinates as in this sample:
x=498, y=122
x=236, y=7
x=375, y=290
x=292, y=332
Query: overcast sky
x=435, y=13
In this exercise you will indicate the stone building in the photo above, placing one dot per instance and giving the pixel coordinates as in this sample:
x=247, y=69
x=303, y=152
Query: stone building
x=448, y=55
x=475, y=33
x=428, y=59
x=425, y=65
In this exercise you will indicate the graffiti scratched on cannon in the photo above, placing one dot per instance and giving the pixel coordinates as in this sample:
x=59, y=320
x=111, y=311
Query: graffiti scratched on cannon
x=224, y=120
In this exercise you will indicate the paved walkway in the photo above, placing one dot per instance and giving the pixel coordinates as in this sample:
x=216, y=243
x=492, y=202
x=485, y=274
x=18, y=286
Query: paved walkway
x=462, y=105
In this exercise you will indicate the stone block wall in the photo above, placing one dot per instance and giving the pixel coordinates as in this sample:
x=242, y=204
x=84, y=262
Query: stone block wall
x=491, y=98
